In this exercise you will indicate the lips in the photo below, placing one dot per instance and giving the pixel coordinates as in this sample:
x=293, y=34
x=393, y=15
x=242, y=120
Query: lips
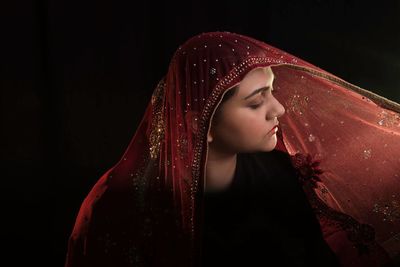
x=273, y=129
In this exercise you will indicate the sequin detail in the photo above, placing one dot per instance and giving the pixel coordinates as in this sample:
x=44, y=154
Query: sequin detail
x=139, y=182
x=361, y=235
x=367, y=153
x=388, y=119
x=390, y=210
x=157, y=123
x=298, y=104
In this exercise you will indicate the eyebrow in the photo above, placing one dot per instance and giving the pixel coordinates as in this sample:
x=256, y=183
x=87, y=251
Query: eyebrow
x=265, y=88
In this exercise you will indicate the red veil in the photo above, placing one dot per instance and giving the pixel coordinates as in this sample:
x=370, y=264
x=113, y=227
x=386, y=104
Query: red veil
x=344, y=141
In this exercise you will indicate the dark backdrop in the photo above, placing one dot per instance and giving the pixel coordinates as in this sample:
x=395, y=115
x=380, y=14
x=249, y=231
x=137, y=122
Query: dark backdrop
x=77, y=75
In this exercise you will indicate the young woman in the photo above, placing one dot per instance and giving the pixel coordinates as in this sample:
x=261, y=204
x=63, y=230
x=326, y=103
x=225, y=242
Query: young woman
x=245, y=155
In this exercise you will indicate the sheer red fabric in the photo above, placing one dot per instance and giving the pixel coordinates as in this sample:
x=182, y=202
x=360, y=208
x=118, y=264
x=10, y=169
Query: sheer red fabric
x=147, y=209
x=354, y=135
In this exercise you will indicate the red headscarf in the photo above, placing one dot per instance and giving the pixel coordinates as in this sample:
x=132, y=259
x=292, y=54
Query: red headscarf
x=147, y=209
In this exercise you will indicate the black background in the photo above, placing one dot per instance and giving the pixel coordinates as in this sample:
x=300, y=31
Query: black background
x=76, y=77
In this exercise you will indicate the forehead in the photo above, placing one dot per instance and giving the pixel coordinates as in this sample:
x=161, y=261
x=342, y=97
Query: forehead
x=258, y=77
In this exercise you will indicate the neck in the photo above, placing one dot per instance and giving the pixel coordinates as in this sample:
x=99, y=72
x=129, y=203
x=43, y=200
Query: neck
x=220, y=169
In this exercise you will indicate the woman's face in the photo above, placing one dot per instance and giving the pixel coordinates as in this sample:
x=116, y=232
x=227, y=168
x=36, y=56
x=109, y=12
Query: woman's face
x=246, y=119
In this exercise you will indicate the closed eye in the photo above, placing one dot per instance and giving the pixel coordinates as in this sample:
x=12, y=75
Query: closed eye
x=255, y=106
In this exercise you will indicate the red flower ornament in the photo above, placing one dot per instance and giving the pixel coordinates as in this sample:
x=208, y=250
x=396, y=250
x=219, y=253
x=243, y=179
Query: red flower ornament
x=307, y=168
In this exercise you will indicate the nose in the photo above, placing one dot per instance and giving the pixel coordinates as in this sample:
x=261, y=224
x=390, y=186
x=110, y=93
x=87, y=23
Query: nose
x=276, y=110
x=281, y=109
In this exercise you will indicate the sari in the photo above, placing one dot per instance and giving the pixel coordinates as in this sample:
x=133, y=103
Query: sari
x=344, y=142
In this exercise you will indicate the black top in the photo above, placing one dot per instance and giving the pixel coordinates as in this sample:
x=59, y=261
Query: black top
x=264, y=217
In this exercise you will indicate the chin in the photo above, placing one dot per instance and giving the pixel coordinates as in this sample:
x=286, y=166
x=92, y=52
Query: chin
x=264, y=146
x=269, y=146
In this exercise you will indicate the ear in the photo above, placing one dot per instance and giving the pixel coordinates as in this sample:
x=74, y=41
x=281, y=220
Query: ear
x=209, y=137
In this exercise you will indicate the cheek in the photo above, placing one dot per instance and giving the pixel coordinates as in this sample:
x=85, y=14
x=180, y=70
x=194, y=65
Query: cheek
x=246, y=125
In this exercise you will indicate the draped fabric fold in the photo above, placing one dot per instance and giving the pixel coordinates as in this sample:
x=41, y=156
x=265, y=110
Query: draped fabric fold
x=355, y=136
x=147, y=209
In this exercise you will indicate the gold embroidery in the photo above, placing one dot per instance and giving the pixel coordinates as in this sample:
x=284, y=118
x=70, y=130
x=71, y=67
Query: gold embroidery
x=298, y=103
x=367, y=153
x=379, y=100
x=157, y=122
x=183, y=146
x=389, y=119
x=390, y=210
x=139, y=181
